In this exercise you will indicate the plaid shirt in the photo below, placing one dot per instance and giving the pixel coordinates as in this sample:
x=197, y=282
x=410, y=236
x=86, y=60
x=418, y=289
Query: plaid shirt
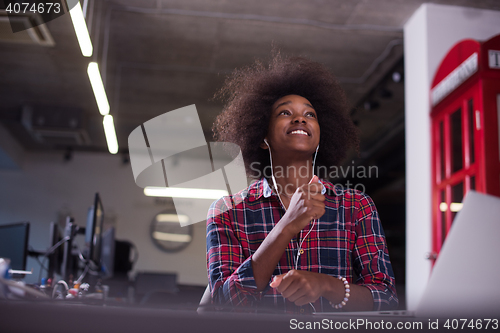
x=348, y=241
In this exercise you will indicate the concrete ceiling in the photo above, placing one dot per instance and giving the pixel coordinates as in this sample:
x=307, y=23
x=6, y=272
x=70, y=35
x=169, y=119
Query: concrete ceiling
x=158, y=55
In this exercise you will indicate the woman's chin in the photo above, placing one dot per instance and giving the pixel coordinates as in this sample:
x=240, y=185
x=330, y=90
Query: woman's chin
x=299, y=152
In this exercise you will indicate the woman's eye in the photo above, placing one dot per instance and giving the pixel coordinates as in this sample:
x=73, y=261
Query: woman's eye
x=311, y=114
x=284, y=112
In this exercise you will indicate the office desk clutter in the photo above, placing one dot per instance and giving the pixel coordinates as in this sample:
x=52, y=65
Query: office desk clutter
x=66, y=271
x=98, y=273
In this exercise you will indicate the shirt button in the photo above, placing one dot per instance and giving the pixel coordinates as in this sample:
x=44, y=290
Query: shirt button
x=301, y=251
x=301, y=310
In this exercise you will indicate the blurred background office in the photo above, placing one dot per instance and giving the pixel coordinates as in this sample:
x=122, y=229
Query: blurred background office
x=154, y=56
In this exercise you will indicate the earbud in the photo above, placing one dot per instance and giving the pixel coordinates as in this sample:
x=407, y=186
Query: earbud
x=267, y=143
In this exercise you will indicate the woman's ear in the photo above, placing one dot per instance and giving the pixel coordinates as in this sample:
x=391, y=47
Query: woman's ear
x=264, y=145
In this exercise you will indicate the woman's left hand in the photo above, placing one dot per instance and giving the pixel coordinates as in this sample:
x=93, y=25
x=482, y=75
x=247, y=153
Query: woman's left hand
x=300, y=287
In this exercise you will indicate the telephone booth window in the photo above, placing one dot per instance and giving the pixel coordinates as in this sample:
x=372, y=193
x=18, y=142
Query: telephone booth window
x=441, y=150
x=443, y=207
x=455, y=167
x=456, y=140
x=470, y=113
x=457, y=195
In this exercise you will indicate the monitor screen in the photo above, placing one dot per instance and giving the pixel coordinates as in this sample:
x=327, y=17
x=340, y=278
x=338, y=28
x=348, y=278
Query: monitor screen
x=14, y=244
x=56, y=257
x=93, y=231
x=108, y=253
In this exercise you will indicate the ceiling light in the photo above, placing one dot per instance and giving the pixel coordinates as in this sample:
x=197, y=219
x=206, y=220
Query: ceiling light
x=109, y=131
x=178, y=192
x=98, y=88
x=397, y=76
x=82, y=33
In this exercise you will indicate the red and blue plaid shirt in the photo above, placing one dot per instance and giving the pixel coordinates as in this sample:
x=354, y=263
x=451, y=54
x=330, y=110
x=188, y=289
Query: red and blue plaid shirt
x=347, y=241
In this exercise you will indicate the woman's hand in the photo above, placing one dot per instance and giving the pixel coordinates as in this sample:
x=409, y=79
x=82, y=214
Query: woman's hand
x=301, y=287
x=306, y=204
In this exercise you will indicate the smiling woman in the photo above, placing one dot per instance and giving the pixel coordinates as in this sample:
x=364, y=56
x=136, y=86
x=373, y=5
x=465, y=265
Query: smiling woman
x=302, y=245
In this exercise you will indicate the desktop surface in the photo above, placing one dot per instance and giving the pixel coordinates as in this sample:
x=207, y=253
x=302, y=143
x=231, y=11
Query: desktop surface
x=24, y=316
x=54, y=317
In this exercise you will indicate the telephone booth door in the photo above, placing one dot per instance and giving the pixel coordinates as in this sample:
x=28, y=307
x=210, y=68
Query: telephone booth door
x=465, y=114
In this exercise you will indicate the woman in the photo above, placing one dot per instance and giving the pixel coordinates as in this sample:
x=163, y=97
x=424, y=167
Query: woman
x=292, y=240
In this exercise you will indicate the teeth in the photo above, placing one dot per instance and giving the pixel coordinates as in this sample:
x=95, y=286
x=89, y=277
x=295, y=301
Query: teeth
x=299, y=132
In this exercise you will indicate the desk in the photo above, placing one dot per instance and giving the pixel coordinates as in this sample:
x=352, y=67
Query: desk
x=55, y=317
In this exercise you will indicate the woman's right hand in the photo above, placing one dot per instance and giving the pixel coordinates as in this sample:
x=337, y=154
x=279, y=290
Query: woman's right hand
x=306, y=204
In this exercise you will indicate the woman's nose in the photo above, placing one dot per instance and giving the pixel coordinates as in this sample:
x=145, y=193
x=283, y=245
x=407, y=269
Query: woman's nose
x=299, y=119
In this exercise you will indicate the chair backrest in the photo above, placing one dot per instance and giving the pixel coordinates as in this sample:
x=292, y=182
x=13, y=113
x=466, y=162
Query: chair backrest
x=154, y=283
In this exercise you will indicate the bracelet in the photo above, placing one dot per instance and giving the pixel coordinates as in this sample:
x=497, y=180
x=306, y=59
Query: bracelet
x=346, y=294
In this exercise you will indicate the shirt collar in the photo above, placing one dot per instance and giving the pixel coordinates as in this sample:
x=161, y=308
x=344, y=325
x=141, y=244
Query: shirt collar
x=267, y=191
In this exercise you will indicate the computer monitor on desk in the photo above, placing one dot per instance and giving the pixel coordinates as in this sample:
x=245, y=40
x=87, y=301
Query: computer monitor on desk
x=93, y=232
x=14, y=245
x=56, y=254
x=108, y=253
x=93, y=240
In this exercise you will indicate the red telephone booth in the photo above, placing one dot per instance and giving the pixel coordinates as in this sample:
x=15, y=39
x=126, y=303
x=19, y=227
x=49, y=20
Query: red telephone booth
x=465, y=118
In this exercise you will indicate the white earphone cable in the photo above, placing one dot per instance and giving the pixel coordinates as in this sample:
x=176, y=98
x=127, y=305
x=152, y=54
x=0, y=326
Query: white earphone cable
x=284, y=208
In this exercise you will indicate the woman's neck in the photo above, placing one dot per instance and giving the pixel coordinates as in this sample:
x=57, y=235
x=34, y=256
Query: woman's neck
x=291, y=175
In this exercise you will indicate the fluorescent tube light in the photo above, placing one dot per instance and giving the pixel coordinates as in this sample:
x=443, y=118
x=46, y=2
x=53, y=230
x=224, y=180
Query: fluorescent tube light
x=165, y=236
x=172, y=218
x=178, y=192
x=109, y=131
x=98, y=88
x=82, y=33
